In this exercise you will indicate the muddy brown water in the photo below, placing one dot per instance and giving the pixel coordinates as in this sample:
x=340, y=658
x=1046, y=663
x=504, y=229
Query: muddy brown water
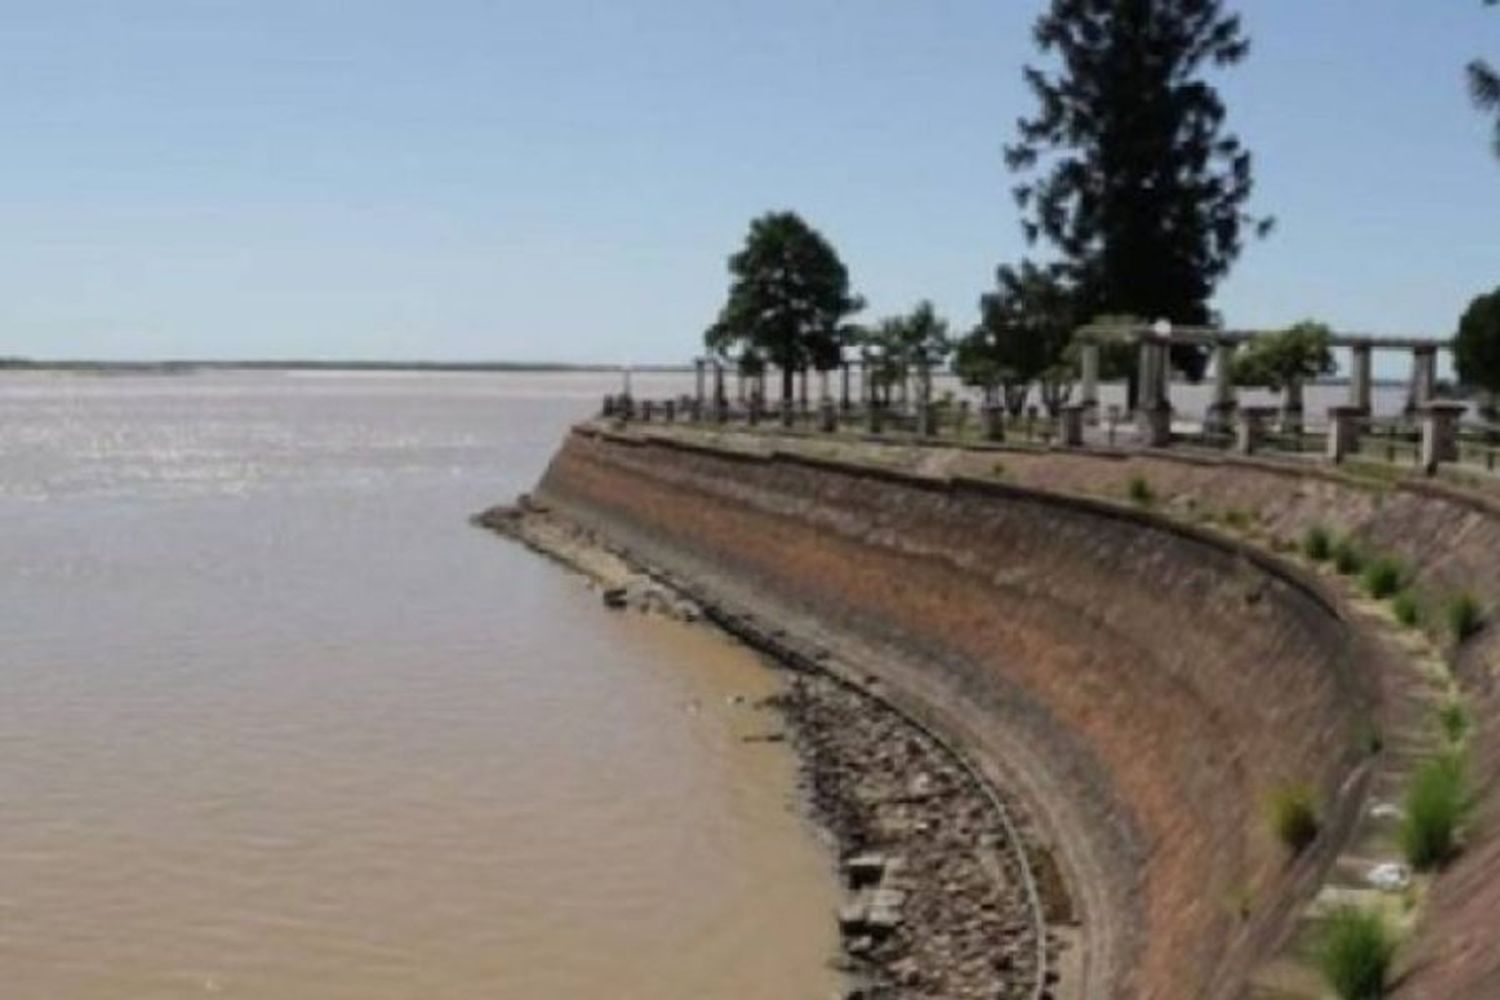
x=276, y=722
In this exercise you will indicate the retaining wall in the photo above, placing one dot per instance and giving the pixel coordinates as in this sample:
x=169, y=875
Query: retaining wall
x=1144, y=687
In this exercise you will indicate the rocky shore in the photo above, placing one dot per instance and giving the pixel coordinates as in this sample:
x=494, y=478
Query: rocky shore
x=943, y=900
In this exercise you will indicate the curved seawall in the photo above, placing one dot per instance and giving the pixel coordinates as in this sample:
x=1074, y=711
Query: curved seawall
x=1142, y=686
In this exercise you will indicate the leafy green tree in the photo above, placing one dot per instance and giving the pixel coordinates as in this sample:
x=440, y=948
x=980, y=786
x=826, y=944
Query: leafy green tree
x=1023, y=336
x=1484, y=87
x=1285, y=360
x=1476, y=349
x=1127, y=168
x=914, y=343
x=788, y=298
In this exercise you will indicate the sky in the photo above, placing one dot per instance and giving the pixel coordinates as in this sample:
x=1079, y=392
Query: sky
x=564, y=180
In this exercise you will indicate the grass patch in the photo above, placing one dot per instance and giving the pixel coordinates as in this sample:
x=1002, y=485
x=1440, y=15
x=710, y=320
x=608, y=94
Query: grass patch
x=1408, y=612
x=1347, y=558
x=1464, y=616
x=1437, y=803
x=1381, y=578
x=1355, y=953
x=1140, y=492
x=1294, y=817
x=1317, y=544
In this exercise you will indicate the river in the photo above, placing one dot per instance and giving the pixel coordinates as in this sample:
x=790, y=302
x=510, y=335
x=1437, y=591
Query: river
x=275, y=721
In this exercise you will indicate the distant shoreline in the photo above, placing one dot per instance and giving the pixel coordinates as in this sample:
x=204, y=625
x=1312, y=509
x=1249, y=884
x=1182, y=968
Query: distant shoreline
x=188, y=367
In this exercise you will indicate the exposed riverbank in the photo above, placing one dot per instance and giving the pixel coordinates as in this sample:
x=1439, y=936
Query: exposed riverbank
x=946, y=894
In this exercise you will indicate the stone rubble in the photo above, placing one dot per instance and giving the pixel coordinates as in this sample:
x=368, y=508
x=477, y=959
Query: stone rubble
x=936, y=905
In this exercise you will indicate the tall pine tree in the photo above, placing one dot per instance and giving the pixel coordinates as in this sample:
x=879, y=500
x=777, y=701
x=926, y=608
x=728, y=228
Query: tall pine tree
x=1127, y=168
x=1484, y=87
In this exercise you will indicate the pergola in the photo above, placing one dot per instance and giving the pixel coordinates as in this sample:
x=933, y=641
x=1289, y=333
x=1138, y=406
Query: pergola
x=1154, y=343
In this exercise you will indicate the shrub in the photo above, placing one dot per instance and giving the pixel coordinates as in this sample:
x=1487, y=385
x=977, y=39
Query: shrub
x=1294, y=816
x=1382, y=577
x=1455, y=721
x=1355, y=953
x=1317, y=543
x=1408, y=611
x=1347, y=558
x=1141, y=492
x=1464, y=617
x=1436, y=804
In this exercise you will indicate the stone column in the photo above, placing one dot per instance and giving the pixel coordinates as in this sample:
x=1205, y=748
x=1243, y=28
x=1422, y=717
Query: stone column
x=1088, y=363
x=721, y=405
x=1439, y=434
x=1072, y=426
x=1146, y=380
x=698, y=380
x=926, y=419
x=1359, y=377
x=828, y=415
x=1343, y=431
x=1423, y=377
x=1156, y=427
x=993, y=421
x=1291, y=409
x=1220, y=416
x=1250, y=428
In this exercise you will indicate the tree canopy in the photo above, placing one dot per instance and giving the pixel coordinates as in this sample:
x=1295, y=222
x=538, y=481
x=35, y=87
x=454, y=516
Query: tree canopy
x=916, y=342
x=1286, y=358
x=1484, y=87
x=1476, y=349
x=1024, y=330
x=788, y=298
x=1127, y=168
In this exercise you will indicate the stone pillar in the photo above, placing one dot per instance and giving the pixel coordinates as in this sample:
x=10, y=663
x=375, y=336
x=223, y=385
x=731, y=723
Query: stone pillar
x=1359, y=377
x=1156, y=427
x=1292, y=409
x=1072, y=426
x=1145, y=378
x=721, y=404
x=669, y=411
x=698, y=387
x=1088, y=363
x=1439, y=434
x=828, y=416
x=992, y=417
x=1343, y=431
x=1423, y=377
x=1220, y=416
x=926, y=419
x=1250, y=428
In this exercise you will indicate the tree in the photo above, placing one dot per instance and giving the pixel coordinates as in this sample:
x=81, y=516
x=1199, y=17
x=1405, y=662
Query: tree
x=915, y=342
x=1023, y=336
x=1476, y=349
x=1283, y=361
x=1127, y=168
x=1484, y=87
x=788, y=298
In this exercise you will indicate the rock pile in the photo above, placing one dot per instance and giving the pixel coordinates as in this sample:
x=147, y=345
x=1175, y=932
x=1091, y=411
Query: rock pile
x=937, y=904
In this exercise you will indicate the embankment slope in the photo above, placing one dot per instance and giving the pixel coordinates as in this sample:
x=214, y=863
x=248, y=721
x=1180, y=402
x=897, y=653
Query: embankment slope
x=1143, y=686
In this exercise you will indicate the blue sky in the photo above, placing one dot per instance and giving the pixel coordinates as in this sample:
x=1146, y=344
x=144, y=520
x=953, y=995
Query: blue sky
x=563, y=180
